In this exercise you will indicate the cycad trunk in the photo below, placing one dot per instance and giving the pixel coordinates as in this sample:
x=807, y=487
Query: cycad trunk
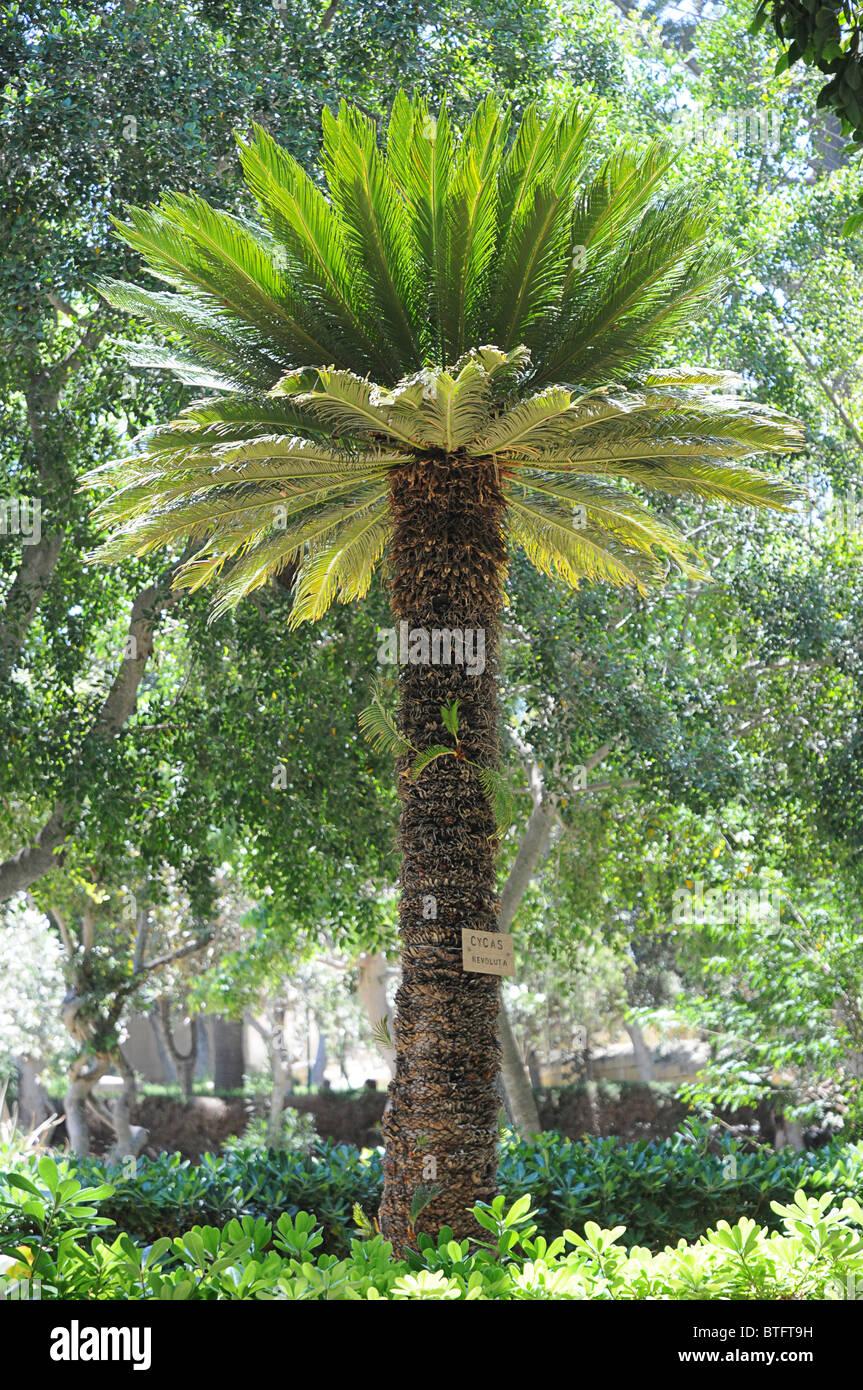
x=440, y=1129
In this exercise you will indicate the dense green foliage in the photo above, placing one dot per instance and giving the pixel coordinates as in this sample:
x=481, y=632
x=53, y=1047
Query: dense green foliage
x=661, y=1191
x=818, y=1254
x=730, y=712
x=828, y=35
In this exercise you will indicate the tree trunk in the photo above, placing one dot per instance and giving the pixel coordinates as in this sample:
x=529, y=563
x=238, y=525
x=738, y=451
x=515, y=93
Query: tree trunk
x=34, y=1103
x=789, y=1134
x=440, y=1131
x=319, y=1066
x=372, y=989
x=279, y=1079
x=184, y=1062
x=226, y=1037
x=83, y=1075
x=166, y=1066
x=520, y=1100
x=130, y=1139
x=532, y=1064
x=643, y=1055
x=517, y=1083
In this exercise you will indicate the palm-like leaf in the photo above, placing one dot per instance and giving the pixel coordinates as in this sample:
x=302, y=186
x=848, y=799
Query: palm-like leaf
x=380, y=729
x=497, y=791
x=429, y=755
x=471, y=298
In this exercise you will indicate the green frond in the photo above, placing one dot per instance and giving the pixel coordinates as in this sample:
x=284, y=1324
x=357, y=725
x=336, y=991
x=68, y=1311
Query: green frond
x=610, y=204
x=537, y=186
x=553, y=152
x=317, y=254
x=559, y=548
x=346, y=403
x=404, y=114
x=619, y=513
x=428, y=756
x=624, y=303
x=237, y=348
x=251, y=520
x=267, y=551
x=693, y=377
x=185, y=366
x=447, y=409
x=305, y=457
x=425, y=180
x=690, y=472
x=238, y=497
x=571, y=151
x=341, y=571
x=524, y=165
x=470, y=229
x=672, y=437
x=449, y=715
x=372, y=216
x=235, y=417
x=733, y=483
x=497, y=791
x=504, y=369
x=380, y=729
x=274, y=459
x=531, y=423
x=455, y=409
x=213, y=255
x=531, y=273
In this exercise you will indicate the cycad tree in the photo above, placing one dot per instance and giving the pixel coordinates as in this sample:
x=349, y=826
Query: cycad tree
x=451, y=343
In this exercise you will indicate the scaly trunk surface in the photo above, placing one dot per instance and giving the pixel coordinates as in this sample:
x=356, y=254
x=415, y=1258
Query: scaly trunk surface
x=440, y=1128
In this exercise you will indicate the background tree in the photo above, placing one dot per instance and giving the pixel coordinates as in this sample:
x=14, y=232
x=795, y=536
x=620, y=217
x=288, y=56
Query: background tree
x=100, y=110
x=31, y=996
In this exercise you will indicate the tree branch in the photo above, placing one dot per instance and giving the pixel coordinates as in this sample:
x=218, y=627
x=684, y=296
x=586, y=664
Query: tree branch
x=826, y=388
x=37, y=858
x=159, y=961
x=38, y=563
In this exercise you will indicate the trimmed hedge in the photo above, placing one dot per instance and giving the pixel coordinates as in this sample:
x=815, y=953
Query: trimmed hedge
x=661, y=1191
x=46, y=1251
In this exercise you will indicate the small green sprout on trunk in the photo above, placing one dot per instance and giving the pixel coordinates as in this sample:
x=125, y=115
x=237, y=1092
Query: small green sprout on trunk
x=379, y=727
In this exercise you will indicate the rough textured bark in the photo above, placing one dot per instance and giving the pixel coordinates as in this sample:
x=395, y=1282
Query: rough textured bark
x=440, y=1130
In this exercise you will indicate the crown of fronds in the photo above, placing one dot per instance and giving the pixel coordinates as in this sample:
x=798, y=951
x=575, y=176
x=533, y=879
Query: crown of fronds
x=446, y=295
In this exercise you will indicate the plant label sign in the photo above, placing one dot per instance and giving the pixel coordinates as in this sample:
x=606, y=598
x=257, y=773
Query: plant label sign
x=487, y=952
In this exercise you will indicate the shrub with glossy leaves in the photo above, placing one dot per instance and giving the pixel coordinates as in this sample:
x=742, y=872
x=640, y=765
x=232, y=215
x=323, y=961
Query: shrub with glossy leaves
x=818, y=1255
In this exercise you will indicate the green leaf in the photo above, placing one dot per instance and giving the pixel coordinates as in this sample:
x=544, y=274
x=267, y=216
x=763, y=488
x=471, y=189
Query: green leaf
x=427, y=756
x=379, y=727
x=449, y=715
